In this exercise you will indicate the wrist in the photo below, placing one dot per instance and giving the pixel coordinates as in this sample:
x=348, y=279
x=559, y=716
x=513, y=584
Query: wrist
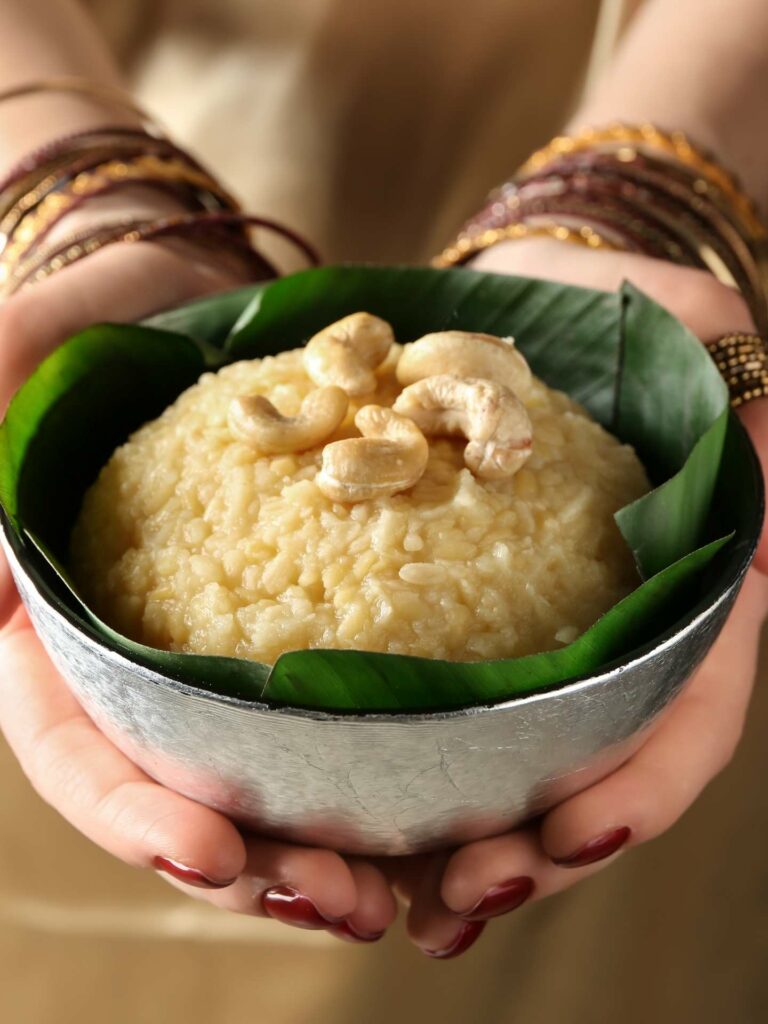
x=25, y=124
x=634, y=188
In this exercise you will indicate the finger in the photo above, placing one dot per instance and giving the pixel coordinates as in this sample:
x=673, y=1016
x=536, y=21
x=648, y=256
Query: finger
x=95, y=787
x=492, y=877
x=432, y=926
x=308, y=888
x=120, y=283
x=376, y=907
x=298, y=885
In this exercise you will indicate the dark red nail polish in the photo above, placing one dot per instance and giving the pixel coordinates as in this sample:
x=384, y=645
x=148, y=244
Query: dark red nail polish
x=292, y=907
x=351, y=934
x=190, y=875
x=500, y=899
x=470, y=933
x=596, y=849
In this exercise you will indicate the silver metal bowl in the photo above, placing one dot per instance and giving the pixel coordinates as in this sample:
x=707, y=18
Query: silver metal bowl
x=380, y=783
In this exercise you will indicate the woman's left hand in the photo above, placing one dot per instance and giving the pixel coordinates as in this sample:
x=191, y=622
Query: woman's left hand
x=451, y=897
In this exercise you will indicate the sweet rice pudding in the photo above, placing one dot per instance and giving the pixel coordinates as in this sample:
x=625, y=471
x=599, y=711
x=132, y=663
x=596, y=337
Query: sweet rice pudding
x=193, y=540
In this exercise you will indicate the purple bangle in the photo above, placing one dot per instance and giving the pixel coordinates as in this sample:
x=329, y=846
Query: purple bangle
x=216, y=230
x=196, y=220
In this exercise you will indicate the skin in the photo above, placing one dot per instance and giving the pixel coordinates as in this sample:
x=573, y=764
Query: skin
x=99, y=791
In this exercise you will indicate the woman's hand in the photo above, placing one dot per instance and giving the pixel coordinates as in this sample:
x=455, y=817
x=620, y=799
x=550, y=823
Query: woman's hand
x=451, y=897
x=69, y=762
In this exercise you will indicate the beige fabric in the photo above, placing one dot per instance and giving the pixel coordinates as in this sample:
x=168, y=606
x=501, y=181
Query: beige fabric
x=375, y=128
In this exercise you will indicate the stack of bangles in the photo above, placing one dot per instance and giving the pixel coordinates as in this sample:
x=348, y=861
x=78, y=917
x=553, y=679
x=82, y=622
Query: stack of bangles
x=636, y=188
x=63, y=175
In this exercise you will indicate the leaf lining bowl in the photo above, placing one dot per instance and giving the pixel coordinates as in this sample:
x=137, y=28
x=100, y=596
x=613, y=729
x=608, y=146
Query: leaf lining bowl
x=392, y=782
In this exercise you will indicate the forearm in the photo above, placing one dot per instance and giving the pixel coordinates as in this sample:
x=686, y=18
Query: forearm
x=700, y=66
x=44, y=39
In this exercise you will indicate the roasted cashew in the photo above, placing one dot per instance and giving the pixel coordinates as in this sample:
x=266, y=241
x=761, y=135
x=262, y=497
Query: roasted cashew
x=391, y=456
x=489, y=415
x=465, y=354
x=254, y=419
x=348, y=351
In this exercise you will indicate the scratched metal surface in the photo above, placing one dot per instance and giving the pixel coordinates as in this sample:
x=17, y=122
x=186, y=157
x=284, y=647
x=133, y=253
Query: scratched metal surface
x=373, y=784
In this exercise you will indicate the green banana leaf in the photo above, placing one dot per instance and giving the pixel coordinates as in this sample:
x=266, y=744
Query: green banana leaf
x=635, y=368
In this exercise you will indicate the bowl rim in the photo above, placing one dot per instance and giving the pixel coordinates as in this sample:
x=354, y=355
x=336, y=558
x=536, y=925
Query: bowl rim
x=730, y=578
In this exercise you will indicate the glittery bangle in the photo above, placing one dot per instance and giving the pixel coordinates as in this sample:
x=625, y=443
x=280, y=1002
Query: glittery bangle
x=117, y=139
x=673, y=193
x=675, y=145
x=26, y=227
x=706, y=237
x=468, y=246
x=48, y=184
x=53, y=181
x=224, y=231
x=645, y=191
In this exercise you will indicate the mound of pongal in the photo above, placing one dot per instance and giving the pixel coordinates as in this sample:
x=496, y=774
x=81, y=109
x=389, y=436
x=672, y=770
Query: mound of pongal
x=434, y=499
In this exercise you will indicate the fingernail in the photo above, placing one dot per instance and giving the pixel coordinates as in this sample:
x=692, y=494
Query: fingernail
x=500, y=899
x=470, y=933
x=190, y=875
x=349, y=933
x=291, y=907
x=596, y=849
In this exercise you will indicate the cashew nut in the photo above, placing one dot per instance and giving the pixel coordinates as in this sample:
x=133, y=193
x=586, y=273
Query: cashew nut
x=465, y=354
x=391, y=456
x=489, y=415
x=254, y=419
x=347, y=352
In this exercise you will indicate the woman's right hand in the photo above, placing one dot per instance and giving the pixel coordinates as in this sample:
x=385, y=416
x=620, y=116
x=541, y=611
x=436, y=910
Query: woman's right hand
x=70, y=763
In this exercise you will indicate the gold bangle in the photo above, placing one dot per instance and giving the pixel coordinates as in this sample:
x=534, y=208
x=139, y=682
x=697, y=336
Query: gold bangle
x=465, y=247
x=78, y=87
x=742, y=360
x=675, y=144
x=37, y=270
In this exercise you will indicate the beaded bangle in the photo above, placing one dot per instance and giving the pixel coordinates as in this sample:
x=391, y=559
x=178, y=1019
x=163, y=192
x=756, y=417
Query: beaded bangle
x=742, y=359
